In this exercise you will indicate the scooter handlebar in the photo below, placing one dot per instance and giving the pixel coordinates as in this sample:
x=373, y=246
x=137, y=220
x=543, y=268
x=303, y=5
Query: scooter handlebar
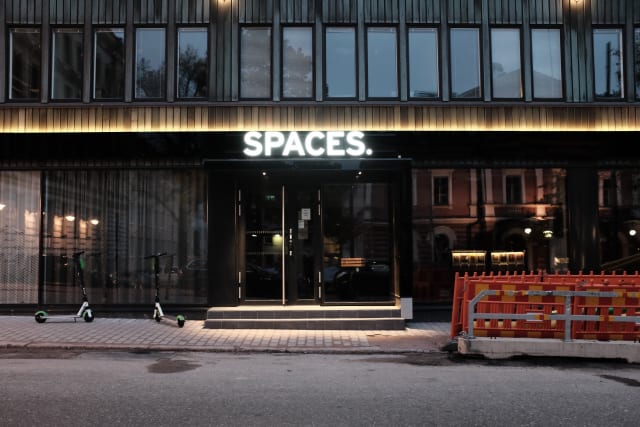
x=155, y=255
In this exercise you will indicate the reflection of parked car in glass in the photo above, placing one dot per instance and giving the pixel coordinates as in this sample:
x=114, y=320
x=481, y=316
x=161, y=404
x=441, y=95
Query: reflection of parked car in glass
x=262, y=282
x=371, y=282
x=193, y=276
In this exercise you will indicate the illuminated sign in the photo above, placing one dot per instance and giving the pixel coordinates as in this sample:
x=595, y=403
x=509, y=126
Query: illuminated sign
x=312, y=144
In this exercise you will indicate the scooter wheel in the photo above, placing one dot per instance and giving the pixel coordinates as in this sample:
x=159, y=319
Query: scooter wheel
x=158, y=318
x=88, y=315
x=41, y=316
x=180, y=319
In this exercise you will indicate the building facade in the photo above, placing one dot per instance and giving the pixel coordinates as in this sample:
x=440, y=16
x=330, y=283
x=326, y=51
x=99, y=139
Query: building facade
x=332, y=152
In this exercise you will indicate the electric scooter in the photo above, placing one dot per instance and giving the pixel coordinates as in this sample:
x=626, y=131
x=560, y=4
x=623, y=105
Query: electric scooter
x=85, y=312
x=158, y=314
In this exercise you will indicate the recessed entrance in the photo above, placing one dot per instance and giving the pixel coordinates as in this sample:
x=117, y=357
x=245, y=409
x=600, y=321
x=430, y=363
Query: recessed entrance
x=322, y=238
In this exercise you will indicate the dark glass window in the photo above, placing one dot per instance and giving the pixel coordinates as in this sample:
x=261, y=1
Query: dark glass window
x=25, y=63
x=441, y=190
x=382, y=62
x=108, y=66
x=465, y=63
x=506, y=77
x=513, y=189
x=66, y=71
x=423, y=63
x=637, y=61
x=547, y=63
x=150, y=63
x=608, y=192
x=340, y=62
x=255, y=63
x=607, y=62
x=297, y=62
x=193, y=64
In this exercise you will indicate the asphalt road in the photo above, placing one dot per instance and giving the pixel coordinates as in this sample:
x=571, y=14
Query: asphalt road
x=63, y=388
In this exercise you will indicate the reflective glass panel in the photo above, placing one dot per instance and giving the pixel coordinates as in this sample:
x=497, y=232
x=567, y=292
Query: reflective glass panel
x=423, y=63
x=297, y=62
x=547, y=63
x=25, y=63
x=119, y=218
x=506, y=63
x=607, y=62
x=357, y=242
x=20, y=230
x=108, y=66
x=255, y=63
x=150, y=63
x=465, y=63
x=340, y=62
x=382, y=66
x=66, y=81
x=637, y=61
x=193, y=64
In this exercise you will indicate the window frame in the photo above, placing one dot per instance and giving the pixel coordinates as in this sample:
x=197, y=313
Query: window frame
x=9, y=62
x=636, y=63
x=193, y=28
x=438, y=57
x=83, y=71
x=311, y=27
x=520, y=56
x=621, y=40
x=562, y=63
x=481, y=89
x=397, y=60
x=95, y=30
x=519, y=175
x=357, y=65
x=134, y=74
x=442, y=173
x=271, y=44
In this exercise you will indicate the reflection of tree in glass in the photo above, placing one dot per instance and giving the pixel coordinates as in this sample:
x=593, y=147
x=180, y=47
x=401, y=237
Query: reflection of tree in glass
x=149, y=80
x=297, y=74
x=192, y=70
x=256, y=64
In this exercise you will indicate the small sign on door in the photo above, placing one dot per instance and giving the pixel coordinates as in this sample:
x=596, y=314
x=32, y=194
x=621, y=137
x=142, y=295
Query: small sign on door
x=305, y=213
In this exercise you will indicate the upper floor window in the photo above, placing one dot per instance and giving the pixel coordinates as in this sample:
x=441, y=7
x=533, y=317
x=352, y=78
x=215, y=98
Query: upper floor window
x=297, y=62
x=440, y=190
x=24, y=63
x=513, y=189
x=423, y=63
x=340, y=62
x=108, y=64
x=150, y=63
x=547, y=63
x=607, y=62
x=255, y=62
x=636, y=36
x=506, y=69
x=382, y=62
x=465, y=63
x=193, y=63
x=67, y=63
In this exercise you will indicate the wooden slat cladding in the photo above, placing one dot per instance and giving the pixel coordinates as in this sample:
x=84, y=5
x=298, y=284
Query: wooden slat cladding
x=609, y=12
x=340, y=11
x=23, y=11
x=505, y=12
x=545, y=12
x=256, y=11
x=66, y=12
x=309, y=117
x=192, y=11
x=109, y=12
x=150, y=11
x=465, y=11
x=422, y=11
x=381, y=11
x=297, y=11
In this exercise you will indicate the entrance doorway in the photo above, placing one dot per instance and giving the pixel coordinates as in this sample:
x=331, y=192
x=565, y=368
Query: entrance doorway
x=318, y=239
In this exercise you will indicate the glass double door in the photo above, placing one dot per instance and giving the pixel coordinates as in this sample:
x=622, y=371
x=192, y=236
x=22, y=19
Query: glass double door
x=282, y=242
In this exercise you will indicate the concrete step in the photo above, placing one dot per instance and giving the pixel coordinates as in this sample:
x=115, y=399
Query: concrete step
x=305, y=317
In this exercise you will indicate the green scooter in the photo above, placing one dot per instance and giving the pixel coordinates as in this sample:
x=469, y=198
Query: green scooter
x=158, y=314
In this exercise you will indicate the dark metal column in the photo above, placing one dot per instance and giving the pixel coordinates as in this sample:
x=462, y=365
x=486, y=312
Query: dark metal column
x=582, y=208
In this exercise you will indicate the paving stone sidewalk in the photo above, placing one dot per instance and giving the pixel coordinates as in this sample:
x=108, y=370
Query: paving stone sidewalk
x=146, y=334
